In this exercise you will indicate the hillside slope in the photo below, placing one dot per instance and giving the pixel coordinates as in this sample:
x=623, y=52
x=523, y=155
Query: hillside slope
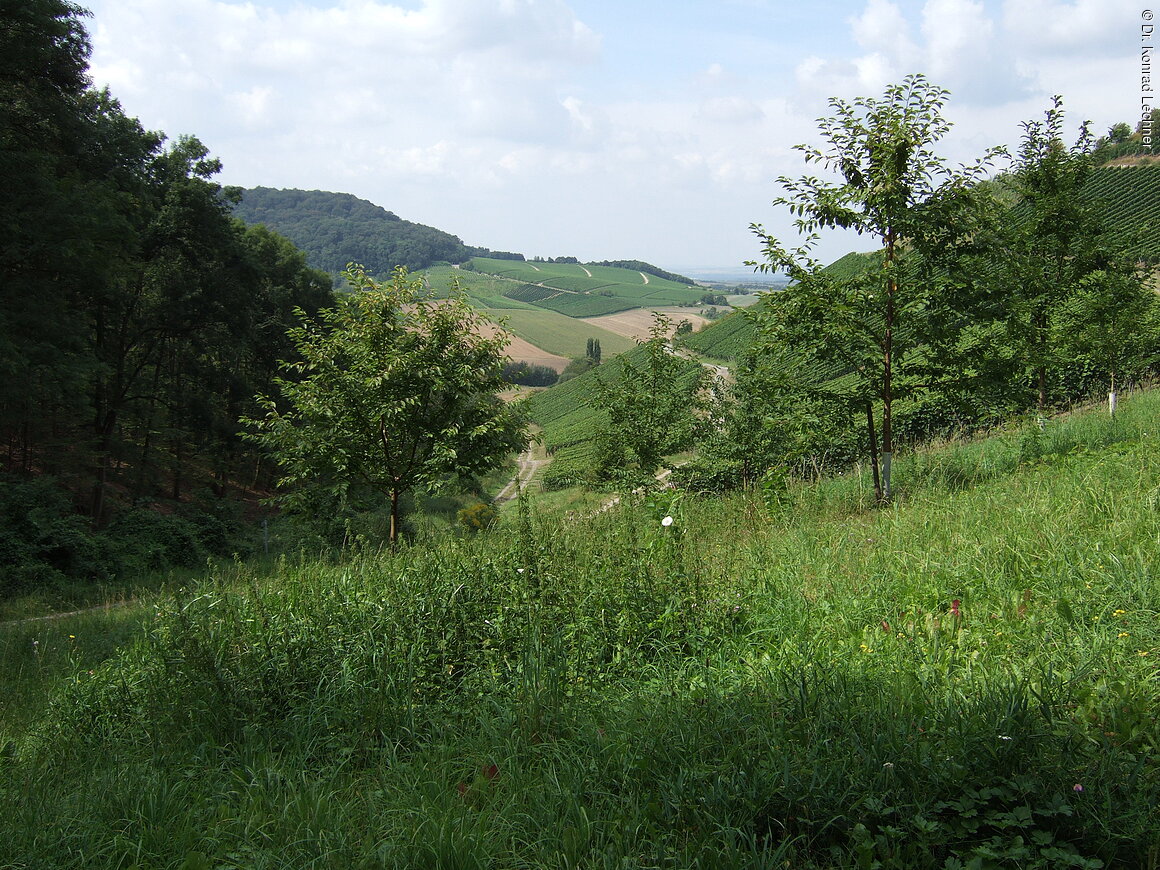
x=335, y=229
x=747, y=682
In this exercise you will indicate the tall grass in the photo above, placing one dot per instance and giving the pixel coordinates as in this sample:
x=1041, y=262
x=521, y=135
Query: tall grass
x=792, y=678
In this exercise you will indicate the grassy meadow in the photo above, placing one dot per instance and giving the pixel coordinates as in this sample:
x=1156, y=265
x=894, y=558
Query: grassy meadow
x=787, y=678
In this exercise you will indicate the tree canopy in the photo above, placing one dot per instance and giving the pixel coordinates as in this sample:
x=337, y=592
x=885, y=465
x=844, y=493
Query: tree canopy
x=394, y=390
x=922, y=213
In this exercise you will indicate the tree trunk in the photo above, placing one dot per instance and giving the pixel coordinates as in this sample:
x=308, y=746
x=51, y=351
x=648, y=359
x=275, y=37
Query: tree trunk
x=104, y=447
x=887, y=370
x=873, y=450
x=394, y=517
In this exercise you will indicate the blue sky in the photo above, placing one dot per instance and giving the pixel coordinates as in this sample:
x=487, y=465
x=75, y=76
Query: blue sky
x=600, y=129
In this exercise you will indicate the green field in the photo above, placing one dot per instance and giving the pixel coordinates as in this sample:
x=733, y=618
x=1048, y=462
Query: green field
x=725, y=339
x=623, y=284
x=561, y=335
x=968, y=678
x=546, y=328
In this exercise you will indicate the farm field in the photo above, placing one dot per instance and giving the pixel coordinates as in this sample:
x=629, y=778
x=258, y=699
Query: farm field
x=635, y=324
x=762, y=681
x=1130, y=199
x=608, y=282
x=521, y=349
x=560, y=335
x=545, y=333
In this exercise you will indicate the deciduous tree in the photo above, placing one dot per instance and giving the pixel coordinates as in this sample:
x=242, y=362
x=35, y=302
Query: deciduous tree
x=892, y=186
x=653, y=402
x=1054, y=261
x=395, y=390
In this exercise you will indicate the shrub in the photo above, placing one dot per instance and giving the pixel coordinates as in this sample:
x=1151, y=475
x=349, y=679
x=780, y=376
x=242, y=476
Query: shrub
x=479, y=516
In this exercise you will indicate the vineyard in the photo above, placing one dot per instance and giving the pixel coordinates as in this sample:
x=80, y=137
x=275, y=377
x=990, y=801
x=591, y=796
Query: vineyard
x=584, y=305
x=548, y=329
x=1129, y=197
x=727, y=339
x=581, y=284
x=571, y=416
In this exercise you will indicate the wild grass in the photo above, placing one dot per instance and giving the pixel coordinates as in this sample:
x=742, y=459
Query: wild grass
x=786, y=678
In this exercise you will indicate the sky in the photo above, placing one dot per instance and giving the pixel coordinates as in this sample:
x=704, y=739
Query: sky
x=602, y=129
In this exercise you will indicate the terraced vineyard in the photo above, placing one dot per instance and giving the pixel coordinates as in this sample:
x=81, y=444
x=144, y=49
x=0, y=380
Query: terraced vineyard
x=571, y=416
x=1130, y=199
x=725, y=339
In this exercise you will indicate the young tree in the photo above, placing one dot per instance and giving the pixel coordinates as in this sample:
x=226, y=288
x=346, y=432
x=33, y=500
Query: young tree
x=1108, y=325
x=652, y=406
x=592, y=352
x=921, y=211
x=1052, y=254
x=395, y=390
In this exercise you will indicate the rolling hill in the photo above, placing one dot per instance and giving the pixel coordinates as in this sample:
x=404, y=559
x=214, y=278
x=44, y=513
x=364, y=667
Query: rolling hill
x=335, y=229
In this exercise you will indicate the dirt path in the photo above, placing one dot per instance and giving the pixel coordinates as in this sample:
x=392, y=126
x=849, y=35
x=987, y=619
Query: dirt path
x=527, y=466
x=112, y=605
x=643, y=275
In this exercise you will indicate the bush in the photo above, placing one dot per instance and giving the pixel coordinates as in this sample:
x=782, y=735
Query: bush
x=42, y=541
x=529, y=375
x=479, y=516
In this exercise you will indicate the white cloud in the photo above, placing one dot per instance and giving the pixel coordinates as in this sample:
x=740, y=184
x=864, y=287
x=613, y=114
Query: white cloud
x=1095, y=27
x=960, y=49
x=884, y=29
x=507, y=123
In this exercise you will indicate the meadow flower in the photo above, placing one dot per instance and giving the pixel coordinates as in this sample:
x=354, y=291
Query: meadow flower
x=667, y=521
x=1077, y=787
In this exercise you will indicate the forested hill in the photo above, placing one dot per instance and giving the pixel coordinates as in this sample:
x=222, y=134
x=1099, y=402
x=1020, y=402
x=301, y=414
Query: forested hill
x=338, y=228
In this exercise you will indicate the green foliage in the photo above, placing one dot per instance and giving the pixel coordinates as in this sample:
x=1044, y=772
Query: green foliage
x=592, y=352
x=586, y=290
x=1109, y=324
x=1056, y=264
x=964, y=680
x=1128, y=203
x=46, y=548
x=925, y=216
x=771, y=419
x=395, y=390
x=577, y=367
x=726, y=339
x=529, y=375
x=41, y=539
x=653, y=405
x=139, y=317
x=640, y=266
